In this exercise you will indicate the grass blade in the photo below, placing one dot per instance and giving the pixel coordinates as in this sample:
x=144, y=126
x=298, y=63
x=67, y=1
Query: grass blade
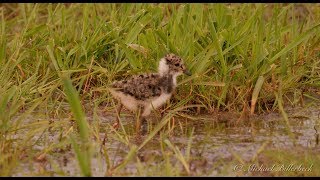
x=76, y=109
x=302, y=37
x=255, y=93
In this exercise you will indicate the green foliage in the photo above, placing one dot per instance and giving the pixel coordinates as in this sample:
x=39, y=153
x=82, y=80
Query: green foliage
x=241, y=55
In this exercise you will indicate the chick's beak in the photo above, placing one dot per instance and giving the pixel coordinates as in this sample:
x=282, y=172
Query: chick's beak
x=187, y=72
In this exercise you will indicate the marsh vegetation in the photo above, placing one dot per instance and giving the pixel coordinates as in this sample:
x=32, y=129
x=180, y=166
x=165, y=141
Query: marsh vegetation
x=253, y=97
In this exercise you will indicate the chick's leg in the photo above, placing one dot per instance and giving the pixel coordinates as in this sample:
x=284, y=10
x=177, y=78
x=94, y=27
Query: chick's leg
x=118, y=110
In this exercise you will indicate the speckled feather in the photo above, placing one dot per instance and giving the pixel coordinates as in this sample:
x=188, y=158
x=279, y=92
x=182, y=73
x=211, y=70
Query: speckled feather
x=145, y=86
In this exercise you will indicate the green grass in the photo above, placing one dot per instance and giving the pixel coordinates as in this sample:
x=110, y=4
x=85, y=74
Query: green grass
x=244, y=57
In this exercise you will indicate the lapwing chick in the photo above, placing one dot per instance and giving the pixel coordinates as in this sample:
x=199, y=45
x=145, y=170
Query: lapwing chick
x=146, y=92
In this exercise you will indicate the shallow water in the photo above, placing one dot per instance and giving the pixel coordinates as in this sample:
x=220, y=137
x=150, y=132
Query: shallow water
x=213, y=144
